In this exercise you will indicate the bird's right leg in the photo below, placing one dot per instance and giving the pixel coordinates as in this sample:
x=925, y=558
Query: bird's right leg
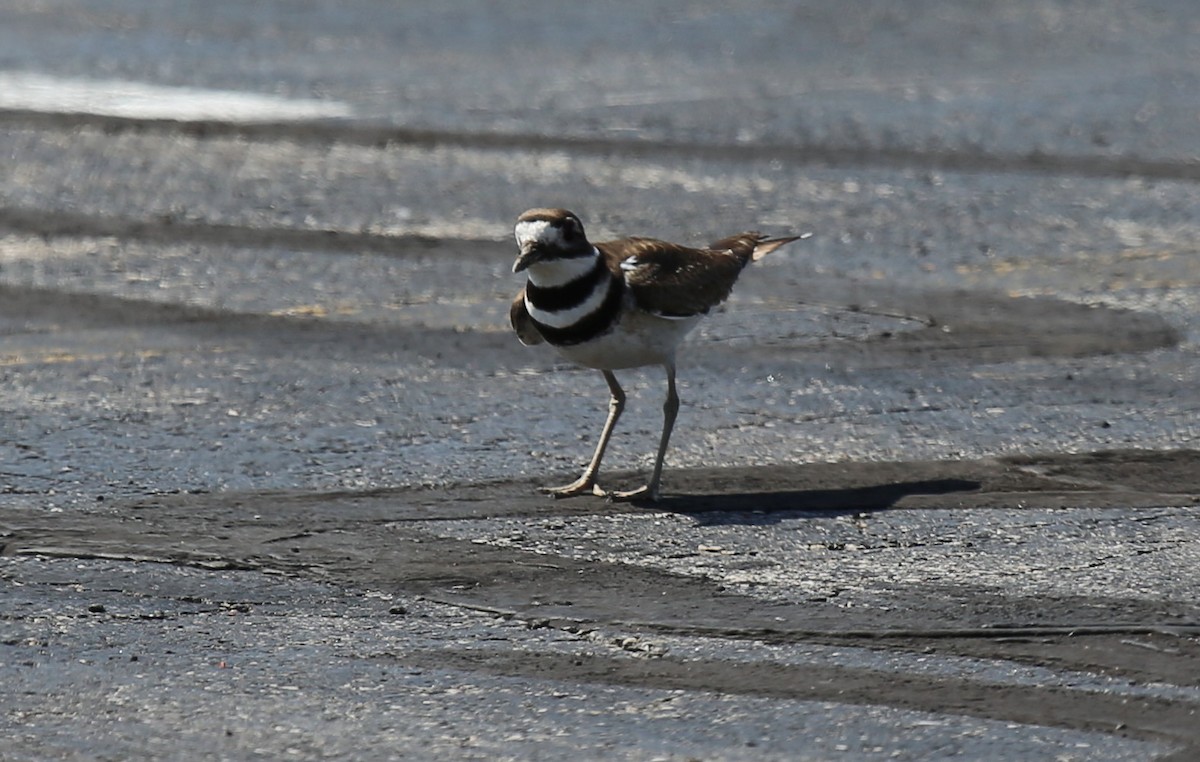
x=587, y=483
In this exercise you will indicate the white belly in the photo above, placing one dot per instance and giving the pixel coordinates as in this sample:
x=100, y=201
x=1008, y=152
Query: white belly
x=639, y=339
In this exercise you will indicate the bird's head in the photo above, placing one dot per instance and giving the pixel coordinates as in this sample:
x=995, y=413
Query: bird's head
x=547, y=236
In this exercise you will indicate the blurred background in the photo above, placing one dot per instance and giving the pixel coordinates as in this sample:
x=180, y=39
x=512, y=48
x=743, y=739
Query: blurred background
x=652, y=91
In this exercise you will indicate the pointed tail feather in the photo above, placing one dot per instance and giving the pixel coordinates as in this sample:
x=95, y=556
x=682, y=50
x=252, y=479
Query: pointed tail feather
x=767, y=245
x=752, y=246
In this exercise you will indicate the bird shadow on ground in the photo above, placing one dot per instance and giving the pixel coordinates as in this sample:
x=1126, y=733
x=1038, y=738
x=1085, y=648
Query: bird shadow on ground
x=769, y=507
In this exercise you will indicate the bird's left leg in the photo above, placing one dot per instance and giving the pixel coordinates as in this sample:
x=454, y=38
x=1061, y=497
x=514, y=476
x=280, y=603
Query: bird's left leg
x=586, y=484
x=670, y=411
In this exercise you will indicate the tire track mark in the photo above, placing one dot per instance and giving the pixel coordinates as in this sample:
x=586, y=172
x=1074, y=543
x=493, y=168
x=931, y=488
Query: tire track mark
x=379, y=135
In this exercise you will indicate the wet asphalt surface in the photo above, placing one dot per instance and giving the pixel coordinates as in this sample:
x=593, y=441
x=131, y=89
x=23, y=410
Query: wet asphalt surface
x=269, y=453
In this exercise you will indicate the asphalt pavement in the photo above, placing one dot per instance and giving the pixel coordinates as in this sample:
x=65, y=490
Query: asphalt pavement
x=270, y=454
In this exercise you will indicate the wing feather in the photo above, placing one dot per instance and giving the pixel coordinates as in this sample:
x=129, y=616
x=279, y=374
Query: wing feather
x=673, y=280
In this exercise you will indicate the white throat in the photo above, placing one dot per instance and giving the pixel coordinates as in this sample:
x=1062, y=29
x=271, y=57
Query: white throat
x=559, y=272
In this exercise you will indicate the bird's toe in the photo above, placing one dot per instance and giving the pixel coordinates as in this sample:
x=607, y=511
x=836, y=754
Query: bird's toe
x=583, y=486
x=645, y=492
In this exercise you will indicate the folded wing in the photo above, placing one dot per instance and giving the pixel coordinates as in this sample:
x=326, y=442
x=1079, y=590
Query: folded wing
x=678, y=281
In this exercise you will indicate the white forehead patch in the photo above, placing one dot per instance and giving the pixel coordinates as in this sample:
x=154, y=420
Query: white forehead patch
x=539, y=231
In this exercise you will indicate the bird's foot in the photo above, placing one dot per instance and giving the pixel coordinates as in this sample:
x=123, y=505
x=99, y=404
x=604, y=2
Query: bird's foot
x=645, y=492
x=584, y=485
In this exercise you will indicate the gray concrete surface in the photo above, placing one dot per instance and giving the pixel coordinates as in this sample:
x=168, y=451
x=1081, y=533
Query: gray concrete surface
x=269, y=452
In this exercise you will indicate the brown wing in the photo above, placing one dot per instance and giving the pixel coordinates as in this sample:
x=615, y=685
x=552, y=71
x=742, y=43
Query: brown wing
x=674, y=280
x=522, y=323
x=742, y=245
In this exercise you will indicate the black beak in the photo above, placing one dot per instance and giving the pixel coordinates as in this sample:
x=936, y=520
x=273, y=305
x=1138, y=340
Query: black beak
x=528, y=256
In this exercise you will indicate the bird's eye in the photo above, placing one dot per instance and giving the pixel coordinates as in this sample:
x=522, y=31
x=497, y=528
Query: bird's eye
x=570, y=229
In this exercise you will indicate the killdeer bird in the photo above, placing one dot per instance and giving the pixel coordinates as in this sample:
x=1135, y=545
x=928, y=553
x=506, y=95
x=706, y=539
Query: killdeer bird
x=620, y=304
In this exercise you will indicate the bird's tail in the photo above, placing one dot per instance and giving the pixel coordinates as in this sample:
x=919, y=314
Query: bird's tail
x=751, y=247
x=765, y=246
